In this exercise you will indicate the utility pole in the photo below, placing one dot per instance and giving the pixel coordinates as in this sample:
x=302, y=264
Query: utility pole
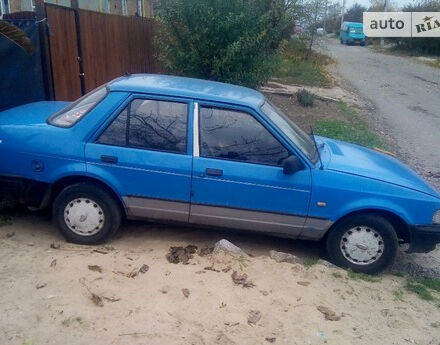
x=343, y=11
x=2, y=8
x=385, y=7
x=325, y=16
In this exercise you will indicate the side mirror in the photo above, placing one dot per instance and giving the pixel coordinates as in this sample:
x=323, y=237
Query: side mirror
x=291, y=165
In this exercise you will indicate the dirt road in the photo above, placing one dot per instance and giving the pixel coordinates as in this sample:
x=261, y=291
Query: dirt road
x=405, y=95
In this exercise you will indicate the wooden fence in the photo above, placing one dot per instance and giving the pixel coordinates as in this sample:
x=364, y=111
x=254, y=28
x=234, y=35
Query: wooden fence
x=86, y=49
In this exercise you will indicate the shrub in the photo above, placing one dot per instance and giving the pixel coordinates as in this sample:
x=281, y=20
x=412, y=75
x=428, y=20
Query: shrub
x=305, y=98
x=232, y=41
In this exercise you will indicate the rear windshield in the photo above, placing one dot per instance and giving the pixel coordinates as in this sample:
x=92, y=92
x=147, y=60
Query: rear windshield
x=74, y=112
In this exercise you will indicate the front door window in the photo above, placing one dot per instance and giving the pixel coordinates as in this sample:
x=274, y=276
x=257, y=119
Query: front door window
x=237, y=136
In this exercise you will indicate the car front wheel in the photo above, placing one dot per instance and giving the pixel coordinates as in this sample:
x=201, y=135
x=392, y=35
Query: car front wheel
x=363, y=243
x=86, y=214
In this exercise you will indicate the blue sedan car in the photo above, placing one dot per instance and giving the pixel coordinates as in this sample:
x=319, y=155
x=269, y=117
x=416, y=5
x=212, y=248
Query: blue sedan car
x=200, y=152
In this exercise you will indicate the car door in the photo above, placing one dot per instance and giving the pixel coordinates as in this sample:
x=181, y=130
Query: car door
x=238, y=179
x=142, y=151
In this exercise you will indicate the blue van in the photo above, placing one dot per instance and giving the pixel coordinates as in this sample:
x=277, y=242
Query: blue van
x=352, y=33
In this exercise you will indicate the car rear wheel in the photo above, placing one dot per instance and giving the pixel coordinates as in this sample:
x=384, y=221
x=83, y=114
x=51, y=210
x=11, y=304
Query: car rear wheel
x=86, y=214
x=363, y=243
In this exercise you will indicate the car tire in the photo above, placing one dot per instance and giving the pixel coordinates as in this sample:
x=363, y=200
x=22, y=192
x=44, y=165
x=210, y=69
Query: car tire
x=342, y=42
x=363, y=243
x=86, y=213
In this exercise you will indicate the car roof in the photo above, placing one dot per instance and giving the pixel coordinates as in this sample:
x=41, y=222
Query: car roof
x=353, y=24
x=188, y=88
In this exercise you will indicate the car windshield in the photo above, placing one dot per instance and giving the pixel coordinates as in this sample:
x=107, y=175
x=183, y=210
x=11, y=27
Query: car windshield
x=74, y=112
x=356, y=30
x=291, y=130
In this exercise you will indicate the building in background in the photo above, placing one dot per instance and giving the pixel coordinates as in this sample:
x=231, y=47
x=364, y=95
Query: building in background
x=141, y=8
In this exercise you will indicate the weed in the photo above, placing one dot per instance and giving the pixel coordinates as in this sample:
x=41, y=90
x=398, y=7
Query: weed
x=67, y=322
x=309, y=262
x=305, y=98
x=398, y=295
x=363, y=276
x=10, y=234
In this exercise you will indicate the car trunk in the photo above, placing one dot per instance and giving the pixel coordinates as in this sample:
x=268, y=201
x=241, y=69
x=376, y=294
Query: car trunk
x=32, y=113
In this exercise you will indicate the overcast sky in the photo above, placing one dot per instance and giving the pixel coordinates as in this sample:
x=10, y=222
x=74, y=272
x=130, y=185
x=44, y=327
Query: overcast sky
x=366, y=3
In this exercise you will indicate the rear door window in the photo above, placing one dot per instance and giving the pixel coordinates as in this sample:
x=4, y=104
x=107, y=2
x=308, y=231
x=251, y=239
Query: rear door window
x=151, y=125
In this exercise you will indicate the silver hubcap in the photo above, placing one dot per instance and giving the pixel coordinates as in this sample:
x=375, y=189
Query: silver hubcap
x=84, y=217
x=362, y=245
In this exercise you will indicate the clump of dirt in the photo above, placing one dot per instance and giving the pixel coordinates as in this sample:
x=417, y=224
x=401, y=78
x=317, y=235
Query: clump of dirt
x=135, y=272
x=186, y=292
x=242, y=279
x=96, y=299
x=206, y=251
x=254, y=317
x=95, y=268
x=181, y=254
x=328, y=313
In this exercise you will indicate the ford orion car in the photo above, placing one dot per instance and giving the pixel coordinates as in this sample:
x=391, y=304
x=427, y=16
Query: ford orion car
x=210, y=154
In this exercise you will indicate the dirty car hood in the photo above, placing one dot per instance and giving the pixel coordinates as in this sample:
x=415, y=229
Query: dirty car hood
x=357, y=160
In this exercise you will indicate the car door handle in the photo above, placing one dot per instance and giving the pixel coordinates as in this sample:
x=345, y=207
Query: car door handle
x=214, y=172
x=109, y=159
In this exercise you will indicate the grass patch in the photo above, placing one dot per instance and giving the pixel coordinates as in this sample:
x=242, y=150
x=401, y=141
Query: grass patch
x=433, y=284
x=303, y=72
x=363, y=276
x=398, y=295
x=420, y=290
x=354, y=130
x=295, y=68
x=309, y=262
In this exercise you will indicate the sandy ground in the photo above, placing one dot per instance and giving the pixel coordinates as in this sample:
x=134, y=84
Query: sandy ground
x=152, y=309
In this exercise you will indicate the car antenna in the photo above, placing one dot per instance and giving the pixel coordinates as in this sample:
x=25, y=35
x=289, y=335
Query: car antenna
x=317, y=148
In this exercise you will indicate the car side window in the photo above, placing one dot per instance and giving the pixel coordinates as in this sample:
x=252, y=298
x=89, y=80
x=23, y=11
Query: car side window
x=116, y=133
x=235, y=135
x=151, y=125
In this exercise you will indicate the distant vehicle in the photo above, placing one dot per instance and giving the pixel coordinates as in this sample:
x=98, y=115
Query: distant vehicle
x=352, y=33
x=205, y=153
x=320, y=31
